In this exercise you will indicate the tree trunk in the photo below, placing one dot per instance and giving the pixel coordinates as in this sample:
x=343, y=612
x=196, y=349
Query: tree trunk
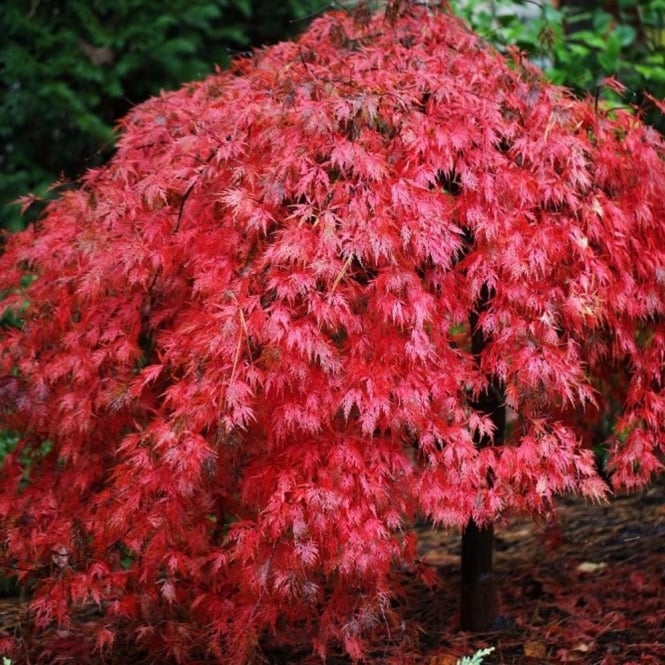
x=479, y=605
x=478, y=608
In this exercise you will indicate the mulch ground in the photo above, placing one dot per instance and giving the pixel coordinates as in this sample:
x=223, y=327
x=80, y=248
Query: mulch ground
x=588, y=589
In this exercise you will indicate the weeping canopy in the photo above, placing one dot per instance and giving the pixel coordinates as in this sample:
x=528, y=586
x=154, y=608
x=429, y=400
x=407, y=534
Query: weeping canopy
x=253, y=323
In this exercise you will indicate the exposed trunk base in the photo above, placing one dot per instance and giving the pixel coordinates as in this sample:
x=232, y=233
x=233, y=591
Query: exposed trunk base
x=479, y=595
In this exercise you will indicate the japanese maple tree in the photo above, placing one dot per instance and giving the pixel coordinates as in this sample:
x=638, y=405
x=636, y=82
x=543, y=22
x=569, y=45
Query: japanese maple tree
x=289, y=316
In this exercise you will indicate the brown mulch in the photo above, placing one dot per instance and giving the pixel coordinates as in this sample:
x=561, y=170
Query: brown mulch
x=588, y=589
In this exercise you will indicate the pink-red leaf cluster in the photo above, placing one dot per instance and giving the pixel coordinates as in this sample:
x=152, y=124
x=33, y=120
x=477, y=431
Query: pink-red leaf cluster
x=244, y=361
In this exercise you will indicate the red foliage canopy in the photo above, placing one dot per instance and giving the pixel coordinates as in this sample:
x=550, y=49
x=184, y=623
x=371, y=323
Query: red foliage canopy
x=246, y=343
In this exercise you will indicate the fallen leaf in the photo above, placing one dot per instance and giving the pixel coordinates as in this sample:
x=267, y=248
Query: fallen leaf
x=534, y=649
x=443, y=660
x=590, y=567
x=638, y=581
x=583, y=647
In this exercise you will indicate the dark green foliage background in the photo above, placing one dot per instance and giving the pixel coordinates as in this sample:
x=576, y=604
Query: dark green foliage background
x=70, y=68
x=582, y=42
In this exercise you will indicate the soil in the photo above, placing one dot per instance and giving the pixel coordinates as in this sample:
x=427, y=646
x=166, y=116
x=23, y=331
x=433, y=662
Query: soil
x=588, y=588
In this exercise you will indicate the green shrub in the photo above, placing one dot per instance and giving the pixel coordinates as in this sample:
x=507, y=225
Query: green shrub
x=579, y=49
